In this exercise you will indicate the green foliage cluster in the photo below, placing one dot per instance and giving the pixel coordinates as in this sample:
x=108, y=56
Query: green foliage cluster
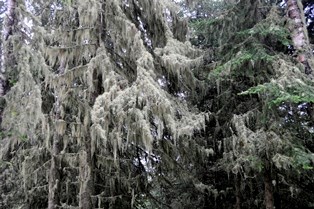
x=243, y=63
x=276, y=95
x=253, y=68
x=268, y=30
x=302, y=159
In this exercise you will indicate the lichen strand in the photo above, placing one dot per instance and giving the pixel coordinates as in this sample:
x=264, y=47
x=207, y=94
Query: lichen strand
x=22, y=119
x=247, y=150
x=131, y=108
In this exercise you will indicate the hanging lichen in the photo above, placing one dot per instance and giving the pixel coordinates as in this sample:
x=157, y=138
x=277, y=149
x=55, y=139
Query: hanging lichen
x=101, y=62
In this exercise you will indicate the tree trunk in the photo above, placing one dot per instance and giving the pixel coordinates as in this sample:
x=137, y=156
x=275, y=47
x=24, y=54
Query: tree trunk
x=54, y=174
x=299, y=34
x=238, y=191
x=11, y=19
x=277, y=200
x=269, y=194
x=86, y=176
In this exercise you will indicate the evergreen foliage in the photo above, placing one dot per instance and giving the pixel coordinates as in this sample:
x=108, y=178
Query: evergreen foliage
x=153, y=104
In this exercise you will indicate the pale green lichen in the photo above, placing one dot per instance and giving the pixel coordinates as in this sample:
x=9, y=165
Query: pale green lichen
x=106, y=95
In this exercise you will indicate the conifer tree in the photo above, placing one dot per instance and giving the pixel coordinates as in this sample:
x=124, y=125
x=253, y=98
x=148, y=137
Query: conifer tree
x=101, y=85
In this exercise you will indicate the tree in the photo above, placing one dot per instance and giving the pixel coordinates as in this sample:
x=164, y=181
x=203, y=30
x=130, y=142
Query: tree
x=100, y=101
x=244, y=64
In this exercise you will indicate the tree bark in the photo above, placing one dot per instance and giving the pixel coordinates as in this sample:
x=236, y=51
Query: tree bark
x=54, y=174
x=238, y=191
x=11, y=19
x=299, y=34
x=277, y=200
x=269, y=194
